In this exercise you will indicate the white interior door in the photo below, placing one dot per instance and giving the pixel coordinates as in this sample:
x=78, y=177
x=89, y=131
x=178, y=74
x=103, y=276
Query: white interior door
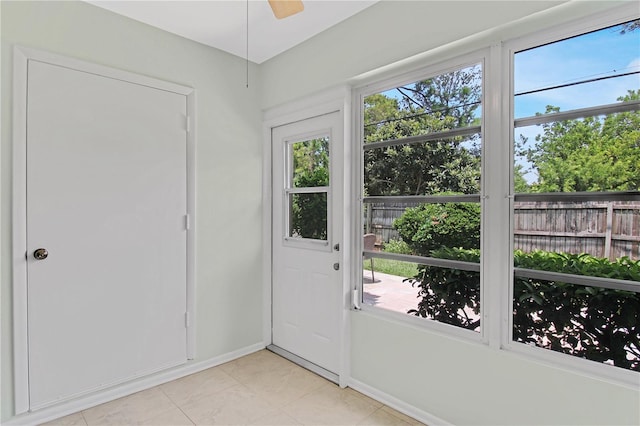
x=307, y=294
x=106, y=198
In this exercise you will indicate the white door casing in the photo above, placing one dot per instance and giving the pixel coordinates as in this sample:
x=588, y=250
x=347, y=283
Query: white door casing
x=106, y=194
x=307, y=289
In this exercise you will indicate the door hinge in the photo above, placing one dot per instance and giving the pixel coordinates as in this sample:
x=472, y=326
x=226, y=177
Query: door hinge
x=188, y=124
x=187, y=320
x=187, y=222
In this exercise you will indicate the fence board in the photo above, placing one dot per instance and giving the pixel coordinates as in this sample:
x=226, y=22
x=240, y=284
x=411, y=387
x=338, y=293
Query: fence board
x=602, y=229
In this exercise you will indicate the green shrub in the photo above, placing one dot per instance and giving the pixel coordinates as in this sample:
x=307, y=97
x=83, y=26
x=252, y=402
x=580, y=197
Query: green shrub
x=589, y=322
x=398, y=247
x=429, y=227
x=309, y=211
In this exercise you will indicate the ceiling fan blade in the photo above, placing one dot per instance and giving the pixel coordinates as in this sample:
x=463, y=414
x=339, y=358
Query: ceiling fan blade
x=284, y=8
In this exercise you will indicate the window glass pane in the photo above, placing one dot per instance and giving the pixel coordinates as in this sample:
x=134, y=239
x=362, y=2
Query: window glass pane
x=560, y=224
x=447, y=101
x=427, y=168
x=588, y=322
x=388, y=286
x=308, y=215
x=442, y=116
x=593, y=69
x=310, y=163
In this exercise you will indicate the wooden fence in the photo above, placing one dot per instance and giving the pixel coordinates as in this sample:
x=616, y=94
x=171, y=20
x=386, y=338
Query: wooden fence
x=602, y=229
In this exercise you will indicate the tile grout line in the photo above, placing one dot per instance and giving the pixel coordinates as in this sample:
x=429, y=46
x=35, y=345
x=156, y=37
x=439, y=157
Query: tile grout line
x=176, y=405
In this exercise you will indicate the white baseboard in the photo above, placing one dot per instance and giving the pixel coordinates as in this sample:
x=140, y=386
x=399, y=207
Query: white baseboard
x=96, y=398
x=397, y=404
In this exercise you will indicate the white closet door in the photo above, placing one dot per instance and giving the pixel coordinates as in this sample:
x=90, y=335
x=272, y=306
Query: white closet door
x=106, y=199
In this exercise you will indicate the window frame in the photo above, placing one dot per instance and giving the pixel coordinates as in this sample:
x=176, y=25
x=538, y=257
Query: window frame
x=509, y=50
x=289, y=190
x=497, y=193
x=477, y=57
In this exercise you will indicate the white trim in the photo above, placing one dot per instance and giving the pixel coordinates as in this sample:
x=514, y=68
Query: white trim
x=397, y=404
x=22, y=55
x=332, y=100
x=192, y=136
x=495, y=187
x=106, y=395
x=19, y=230
x=475, y=57
x=346, y=243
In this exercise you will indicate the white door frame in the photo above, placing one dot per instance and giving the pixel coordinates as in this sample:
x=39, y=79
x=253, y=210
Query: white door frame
x=21, y=58
x=335, y=100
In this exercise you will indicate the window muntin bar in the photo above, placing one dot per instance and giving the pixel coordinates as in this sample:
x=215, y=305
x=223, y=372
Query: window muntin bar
x=430, y=261
x=417, y=199
x=578, y=113
x=447, y=134
x=578, y=196
x=583, y=280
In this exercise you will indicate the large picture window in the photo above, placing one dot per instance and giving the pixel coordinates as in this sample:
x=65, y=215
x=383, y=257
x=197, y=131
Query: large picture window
x=500, y=197
x=422, y=145
x=576, y=211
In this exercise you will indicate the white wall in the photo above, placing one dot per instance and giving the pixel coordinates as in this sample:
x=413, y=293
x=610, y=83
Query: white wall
x=457, y=381
x=229, y=159
x=382, y=34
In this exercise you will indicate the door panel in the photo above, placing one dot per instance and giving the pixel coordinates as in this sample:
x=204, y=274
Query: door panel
x=307, y=208
x=106, y=197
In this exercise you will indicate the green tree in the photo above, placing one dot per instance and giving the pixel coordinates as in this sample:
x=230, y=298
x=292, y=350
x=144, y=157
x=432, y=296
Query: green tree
x=590, y=154
x=442, y=103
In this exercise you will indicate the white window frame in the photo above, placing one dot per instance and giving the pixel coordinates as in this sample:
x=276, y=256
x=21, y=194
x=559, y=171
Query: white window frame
x=289, y=190
x=481, y=57
x=496, y=263
x=576, y=28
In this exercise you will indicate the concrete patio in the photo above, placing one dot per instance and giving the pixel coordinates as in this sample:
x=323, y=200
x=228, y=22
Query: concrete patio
x=389, y=292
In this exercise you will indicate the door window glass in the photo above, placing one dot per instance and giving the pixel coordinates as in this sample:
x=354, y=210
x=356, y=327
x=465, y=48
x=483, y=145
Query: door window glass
x=307, y=189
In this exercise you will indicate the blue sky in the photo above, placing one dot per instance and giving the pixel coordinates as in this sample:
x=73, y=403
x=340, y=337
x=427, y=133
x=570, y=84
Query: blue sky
x=603, y=53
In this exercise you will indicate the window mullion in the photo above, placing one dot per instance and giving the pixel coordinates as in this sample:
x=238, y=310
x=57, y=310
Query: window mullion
x=495, y=203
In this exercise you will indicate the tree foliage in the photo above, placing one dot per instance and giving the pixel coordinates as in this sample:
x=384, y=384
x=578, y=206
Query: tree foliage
x=595, y=323
x=442, y=103
x=429, y=227
x=590, y=154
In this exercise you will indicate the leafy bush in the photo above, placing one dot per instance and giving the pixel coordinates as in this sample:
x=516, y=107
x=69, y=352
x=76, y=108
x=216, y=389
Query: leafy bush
x=398, y=247
x=429, y=227
x=589, y=322
x=309, y=211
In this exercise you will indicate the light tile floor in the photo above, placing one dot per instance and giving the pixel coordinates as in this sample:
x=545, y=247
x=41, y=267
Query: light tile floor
x=258, y=389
